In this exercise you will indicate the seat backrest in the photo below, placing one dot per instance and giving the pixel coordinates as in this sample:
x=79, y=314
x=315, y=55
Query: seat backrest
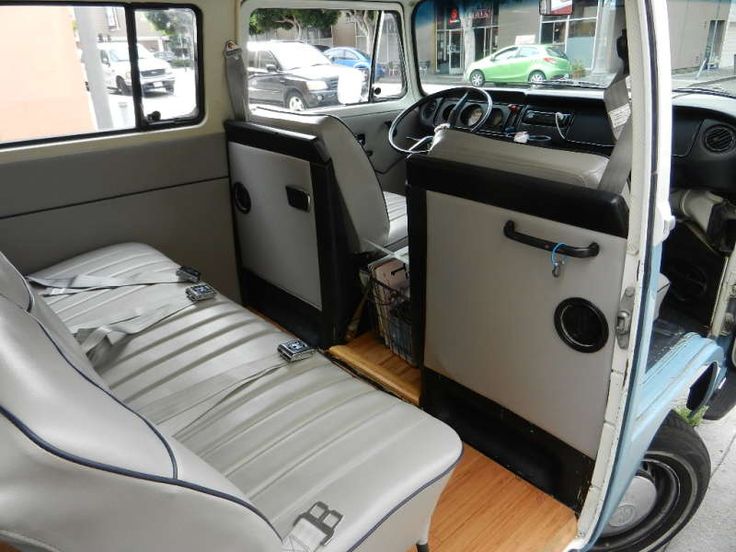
x=81, y=471
x=567, y=167
x=359, y=187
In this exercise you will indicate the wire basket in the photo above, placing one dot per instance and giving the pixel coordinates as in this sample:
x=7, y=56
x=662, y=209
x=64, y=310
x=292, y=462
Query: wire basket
x=393, y=319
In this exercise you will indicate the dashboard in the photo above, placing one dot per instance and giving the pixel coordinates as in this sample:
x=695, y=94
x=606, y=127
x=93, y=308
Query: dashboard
x=704, y=129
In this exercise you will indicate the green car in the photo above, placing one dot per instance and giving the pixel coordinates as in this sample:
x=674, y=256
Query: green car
x=527, y=63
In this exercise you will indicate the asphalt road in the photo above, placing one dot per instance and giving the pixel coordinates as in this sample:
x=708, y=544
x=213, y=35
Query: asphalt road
x=179, y=104
x=713, y=528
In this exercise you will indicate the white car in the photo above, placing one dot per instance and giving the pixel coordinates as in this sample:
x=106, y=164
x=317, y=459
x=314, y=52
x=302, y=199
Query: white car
x=155, y=74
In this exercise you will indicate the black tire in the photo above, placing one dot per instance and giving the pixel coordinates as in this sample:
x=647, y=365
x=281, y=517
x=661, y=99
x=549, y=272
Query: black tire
x=679, y=467
x=537, y=76
x=293, y=99
x=477, y=78
x=123, y=88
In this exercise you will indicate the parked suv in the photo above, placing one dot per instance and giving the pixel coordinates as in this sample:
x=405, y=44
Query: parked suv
x=528, y=63
x=155, y=74
x=293, y=74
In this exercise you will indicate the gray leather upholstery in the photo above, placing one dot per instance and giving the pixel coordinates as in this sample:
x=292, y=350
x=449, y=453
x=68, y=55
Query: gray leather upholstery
x=580, y=169
x=371, y=218
x=398, y=235
x=82, y=470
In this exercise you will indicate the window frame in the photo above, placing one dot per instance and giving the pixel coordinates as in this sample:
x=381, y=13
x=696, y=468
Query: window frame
x=404, y=67
x=142, y=125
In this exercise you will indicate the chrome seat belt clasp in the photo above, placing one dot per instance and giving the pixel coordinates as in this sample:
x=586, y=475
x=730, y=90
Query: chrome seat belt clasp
x=321, y=517
x=200, y=292
x=189, y=274
x=294, y=350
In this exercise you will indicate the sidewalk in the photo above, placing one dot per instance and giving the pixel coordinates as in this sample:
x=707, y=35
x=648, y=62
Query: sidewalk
x=713, y=528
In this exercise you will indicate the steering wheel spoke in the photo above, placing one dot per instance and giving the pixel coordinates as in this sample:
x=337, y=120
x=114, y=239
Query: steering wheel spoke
x=464, y=92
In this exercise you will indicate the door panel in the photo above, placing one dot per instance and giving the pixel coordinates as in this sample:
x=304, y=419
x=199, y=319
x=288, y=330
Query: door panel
x=490, y=315
x=390, y=166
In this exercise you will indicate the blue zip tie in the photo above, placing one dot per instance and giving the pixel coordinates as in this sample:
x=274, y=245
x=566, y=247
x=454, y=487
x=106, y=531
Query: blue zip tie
x=554, y=254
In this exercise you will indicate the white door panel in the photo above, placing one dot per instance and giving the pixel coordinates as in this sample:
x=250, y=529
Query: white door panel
x=490, y=315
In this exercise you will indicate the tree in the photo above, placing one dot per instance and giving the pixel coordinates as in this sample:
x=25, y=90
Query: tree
x=269, y=19
x=171, y=22
x=366, y=22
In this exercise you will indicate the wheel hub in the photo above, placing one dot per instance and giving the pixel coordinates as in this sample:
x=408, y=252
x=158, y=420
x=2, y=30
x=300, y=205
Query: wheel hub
x=637, y=504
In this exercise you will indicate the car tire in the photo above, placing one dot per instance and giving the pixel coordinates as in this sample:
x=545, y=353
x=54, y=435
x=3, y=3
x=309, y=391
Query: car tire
x=295, y=101
x=477, y=78
x=666, y=491
x=123, y=88
x=537, y=76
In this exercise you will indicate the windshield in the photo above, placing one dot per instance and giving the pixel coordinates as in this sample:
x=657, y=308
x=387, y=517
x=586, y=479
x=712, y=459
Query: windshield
x=120, y=53
x=508, y=43
x=293, y=55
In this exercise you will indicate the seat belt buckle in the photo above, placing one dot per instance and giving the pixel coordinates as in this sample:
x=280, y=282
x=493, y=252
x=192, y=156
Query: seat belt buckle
x=200, y=292
x=324, y=519
x=294, y=350
x=189, y=274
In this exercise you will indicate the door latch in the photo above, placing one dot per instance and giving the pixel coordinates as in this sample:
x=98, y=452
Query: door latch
x=623, y=317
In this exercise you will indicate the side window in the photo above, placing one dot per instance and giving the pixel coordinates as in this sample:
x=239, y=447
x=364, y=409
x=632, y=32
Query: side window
x=527, y=52
x=506, y=54
x=325, y=56
x=97, y=87
x=266, y=60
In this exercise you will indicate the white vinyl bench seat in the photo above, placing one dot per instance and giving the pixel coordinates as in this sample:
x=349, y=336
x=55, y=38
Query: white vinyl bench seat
x=234, y=478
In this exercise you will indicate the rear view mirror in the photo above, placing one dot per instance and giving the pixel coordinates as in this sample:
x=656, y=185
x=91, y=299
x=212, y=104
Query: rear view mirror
x=555, y=7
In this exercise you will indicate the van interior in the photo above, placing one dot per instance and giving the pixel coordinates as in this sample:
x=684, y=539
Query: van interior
x=254, y=319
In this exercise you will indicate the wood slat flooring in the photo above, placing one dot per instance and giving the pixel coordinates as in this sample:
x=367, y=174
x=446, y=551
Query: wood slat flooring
x=485, y=507
x=369, y=356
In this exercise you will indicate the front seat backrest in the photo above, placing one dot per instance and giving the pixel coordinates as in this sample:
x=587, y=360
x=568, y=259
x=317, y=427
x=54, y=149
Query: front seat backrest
x=360, y=190
x=567, y=167
x=81, y=471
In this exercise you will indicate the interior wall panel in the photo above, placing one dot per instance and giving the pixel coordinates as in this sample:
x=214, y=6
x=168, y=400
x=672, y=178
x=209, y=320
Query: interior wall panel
x=29, y=186
x=190, y=223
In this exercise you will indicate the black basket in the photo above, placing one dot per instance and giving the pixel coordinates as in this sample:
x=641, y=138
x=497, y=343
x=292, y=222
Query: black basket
x=392, y=319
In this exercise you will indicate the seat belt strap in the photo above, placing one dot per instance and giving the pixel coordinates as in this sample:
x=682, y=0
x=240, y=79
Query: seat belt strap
x=616, y=176
x=91, y=334
x=312, y=529
x=80, y=283
x=618, y=107
x=237, y=77
x=174, y=413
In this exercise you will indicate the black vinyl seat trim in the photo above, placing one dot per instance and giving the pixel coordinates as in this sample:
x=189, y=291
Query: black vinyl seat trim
x=596, y=210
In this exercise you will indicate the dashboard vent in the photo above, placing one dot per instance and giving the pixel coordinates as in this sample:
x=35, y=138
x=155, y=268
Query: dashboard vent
x=719, y=139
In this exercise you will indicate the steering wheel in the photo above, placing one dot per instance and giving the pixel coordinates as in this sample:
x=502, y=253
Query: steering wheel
x=452, y=119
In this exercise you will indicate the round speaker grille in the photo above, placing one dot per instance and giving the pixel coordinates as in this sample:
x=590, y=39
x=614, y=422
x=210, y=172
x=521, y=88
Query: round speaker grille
x=581, y=325
x=241, y=198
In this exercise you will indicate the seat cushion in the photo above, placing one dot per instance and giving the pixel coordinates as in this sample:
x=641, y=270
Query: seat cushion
x=306, y=432
x=398, y=234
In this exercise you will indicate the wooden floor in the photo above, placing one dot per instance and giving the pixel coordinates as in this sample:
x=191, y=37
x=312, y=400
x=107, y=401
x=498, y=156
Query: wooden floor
x=485, y=507
x=369, y=356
